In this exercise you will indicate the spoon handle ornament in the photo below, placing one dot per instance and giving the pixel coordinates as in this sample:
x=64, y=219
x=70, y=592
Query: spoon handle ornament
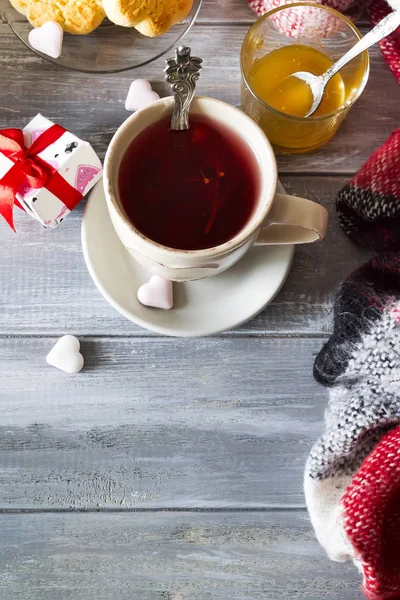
x=182, y=72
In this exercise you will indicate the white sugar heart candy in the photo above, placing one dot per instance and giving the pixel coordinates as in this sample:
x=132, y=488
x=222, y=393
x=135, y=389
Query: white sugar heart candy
x=65, y=355
x=157, y=293
x=47, y=39
x=140, y=95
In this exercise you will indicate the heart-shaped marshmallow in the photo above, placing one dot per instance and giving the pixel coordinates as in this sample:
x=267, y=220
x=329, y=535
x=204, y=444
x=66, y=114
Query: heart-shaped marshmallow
x=156, y=293
x=65, y=355
x=140, y=95
x=47, y=39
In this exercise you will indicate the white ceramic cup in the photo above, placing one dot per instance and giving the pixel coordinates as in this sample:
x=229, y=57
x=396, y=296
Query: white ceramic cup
x=277, y=218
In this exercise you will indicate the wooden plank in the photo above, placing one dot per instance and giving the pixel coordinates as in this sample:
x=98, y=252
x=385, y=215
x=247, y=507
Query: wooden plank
x=212, y=422
x=94, y=106
x=168, y=556
x=46, y=289
x=226, y=11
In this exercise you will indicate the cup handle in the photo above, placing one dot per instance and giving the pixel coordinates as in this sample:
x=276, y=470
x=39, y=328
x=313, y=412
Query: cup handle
x=293, y=220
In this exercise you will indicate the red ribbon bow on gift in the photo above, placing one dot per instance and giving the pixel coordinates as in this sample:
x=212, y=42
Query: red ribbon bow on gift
x=29, y=168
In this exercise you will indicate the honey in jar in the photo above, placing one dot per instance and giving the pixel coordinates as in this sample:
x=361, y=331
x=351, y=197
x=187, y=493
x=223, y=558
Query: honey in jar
x=270, y=80
x=279, y=102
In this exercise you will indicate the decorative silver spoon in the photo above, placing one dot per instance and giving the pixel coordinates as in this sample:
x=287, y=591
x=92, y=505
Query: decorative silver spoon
x=318, y=83
x=182, y=72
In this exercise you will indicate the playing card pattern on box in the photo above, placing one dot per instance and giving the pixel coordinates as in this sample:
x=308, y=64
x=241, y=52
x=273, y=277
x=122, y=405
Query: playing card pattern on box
x=73, y=158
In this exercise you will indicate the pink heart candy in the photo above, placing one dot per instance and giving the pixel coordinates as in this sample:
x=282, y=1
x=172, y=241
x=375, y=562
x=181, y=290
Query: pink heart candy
x=140, y=95
x=47, y=39
x=35, y=134
x=157, y=293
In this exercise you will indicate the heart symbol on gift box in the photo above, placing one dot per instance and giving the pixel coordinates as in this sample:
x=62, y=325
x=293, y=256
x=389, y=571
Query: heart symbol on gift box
x=65, y=355
x=157, y=293
x=47, y=39
x=140, y=95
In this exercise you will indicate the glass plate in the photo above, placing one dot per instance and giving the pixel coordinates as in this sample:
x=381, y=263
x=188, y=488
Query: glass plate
x=109, y=48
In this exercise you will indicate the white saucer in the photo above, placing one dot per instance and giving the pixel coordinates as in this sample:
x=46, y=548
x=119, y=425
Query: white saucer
x=203, y=307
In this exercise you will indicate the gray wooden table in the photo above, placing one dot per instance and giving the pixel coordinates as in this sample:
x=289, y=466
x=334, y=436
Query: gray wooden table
x=168, y=469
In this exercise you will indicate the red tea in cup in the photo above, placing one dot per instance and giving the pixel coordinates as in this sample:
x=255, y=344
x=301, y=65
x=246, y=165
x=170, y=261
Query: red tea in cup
x=189, y=190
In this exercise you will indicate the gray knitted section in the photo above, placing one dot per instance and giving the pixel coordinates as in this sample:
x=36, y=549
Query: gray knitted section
x=363, y=405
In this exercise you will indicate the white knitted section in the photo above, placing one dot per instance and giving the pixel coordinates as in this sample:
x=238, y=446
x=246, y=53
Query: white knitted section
x=326, y=515
x=363, y=405
x=377, y=354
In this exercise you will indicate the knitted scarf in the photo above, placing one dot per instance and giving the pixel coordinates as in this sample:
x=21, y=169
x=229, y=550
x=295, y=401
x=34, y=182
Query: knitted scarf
x=352, y=476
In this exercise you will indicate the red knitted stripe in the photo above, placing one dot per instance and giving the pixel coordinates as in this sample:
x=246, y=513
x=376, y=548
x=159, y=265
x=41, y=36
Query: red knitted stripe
x=381, y=171
x=390, y=46
x=372, y=518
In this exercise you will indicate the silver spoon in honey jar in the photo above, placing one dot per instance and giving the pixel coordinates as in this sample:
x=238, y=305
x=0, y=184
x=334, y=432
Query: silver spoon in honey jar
x=317, y=83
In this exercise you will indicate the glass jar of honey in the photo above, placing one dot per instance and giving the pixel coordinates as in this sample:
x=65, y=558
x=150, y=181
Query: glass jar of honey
x=303, y=36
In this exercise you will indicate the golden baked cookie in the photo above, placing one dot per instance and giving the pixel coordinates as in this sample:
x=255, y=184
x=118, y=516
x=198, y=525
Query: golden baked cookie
x=150, y=17
x=74, y=16
x=20, y=5
x=39, y=12
x=83, y=16
x=123, y=12
x=168, y=13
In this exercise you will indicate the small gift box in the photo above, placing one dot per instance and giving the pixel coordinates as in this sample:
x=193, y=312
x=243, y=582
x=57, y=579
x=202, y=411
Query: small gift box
x=46, y=170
